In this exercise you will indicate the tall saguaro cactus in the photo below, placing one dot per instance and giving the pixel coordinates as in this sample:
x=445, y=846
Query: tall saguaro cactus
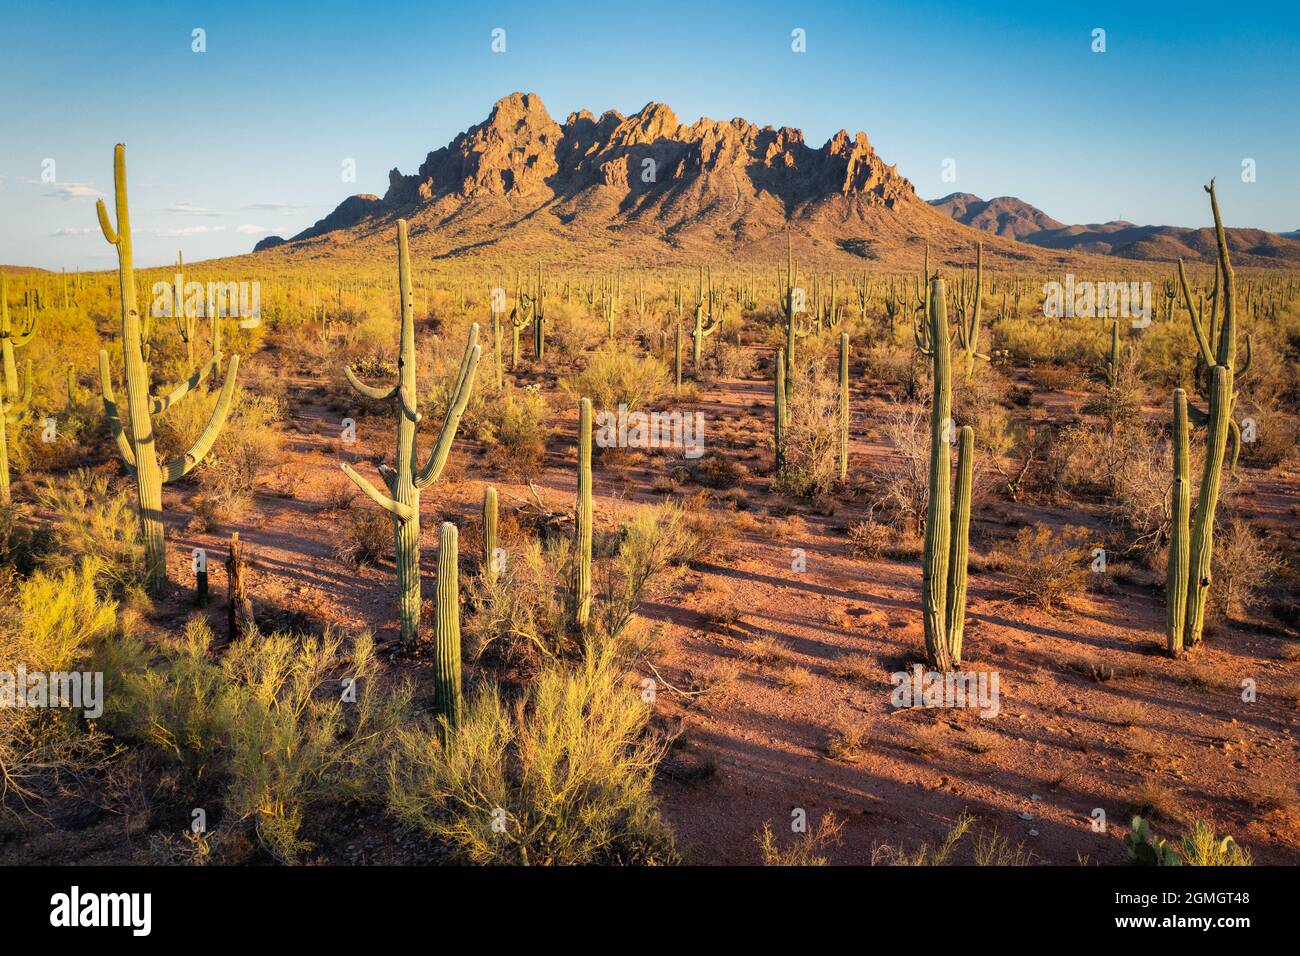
x=583, y=522
x=943, y=584
x=703, y=327
x=446, y=645
x=407, y=479
x=137, y=448
x=1217, y=350
x=780, y=411
x=969, y=298
x=16, y=411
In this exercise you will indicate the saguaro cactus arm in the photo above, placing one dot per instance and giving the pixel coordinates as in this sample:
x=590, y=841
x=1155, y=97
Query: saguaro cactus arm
x=182, y=466
x=1197, y=317
x=160, y=404
x=370, y=391
x=460, y=398
x=395, y=508
x=111, y=411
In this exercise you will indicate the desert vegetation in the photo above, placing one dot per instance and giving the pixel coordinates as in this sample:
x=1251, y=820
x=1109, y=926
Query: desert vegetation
x=651, y=539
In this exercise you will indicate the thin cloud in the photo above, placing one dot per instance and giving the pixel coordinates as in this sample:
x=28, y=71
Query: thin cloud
x=182, y=233
x=80, y=192
x=277, y=206
x=75, y=231
x=248, y=229
x=186, y=208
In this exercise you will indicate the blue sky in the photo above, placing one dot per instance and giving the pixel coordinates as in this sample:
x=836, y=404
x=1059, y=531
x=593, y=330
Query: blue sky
x=248, y=138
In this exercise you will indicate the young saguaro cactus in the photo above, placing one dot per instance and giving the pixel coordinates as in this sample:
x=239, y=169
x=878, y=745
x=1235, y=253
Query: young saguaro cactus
x=446, y=645
x=943, y=585
x=137, y=448
x=1217, y=350
x=583, y=522
x=490, y=563
x=407, y=479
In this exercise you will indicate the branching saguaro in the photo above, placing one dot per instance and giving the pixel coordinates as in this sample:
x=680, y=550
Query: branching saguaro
x=135, y=437
x=1216, y=340
x=947, y=522
x=407, y=479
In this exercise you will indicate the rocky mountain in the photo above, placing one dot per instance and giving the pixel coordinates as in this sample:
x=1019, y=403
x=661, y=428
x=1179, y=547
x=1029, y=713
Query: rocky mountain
x=646, y=185
x=1007, y=216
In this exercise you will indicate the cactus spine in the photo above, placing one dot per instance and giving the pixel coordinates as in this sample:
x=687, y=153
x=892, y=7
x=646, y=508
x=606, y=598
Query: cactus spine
x=1179, y=532
x=446, y=673
x=844, y=405
x=1217, y=350
x=583, y=520
x=943, y=585
x=138, y=449
x=490, y=569
x=407, y=479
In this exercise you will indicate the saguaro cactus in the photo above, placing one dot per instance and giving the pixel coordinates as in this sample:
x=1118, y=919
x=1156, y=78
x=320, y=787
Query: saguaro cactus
x=582, y=524
x=943, y=584
x=407, y=479
x=10, y=340
x=703, y=327
x=969, y=298
x=1217, y=350
x=137, y=448
x=539, y=317
x=1180, y=496
x=490, y=569
x=446, y=661
x=792, y=306
x=15, y=411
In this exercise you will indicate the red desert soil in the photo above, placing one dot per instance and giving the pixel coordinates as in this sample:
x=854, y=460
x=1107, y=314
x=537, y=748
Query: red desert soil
x=753, y=745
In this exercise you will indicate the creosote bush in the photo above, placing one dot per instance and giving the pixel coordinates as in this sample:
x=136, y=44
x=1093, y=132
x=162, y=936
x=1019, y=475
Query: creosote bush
x=562, y=776
x=1047, y=565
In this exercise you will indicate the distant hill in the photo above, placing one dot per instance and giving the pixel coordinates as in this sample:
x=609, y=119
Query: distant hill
x=1017, y=219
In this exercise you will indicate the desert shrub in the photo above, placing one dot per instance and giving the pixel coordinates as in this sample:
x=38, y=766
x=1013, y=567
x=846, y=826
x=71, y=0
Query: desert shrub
x=527, y=614
x=615, y=377
x=812, y=439
x=249, y=447
x=939, y=855
x=869, y=539
x=1201, y=846
x=89, y=520
x=19, y=543
x=1047, y=565
x=807, y=851
x=366, y=539
x=906, y=481
x=513, y=426
x=1243, y=564
x=565, y=776
x=267, y=724
x=734, y=361
x=1277, y=437
x=51, y=622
